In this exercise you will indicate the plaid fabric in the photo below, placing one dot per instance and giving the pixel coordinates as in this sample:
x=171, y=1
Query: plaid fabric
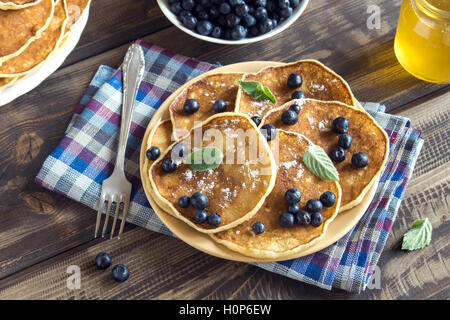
x=85, y=157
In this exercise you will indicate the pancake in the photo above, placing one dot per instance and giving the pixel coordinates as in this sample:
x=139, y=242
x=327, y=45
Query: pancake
x=40, y=49
x=17, y=4
x=236, y=188
x=206, y=90
x=161, y=135
x=6, y=82
x=278, y=242
x=319, y=82
x=75, y=8
x=19, y=28
x=315, y=122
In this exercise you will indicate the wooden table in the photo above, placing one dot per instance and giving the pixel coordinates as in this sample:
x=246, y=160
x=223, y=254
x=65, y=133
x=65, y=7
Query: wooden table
x=42, y=233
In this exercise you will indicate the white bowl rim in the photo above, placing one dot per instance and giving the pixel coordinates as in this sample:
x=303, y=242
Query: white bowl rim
x=163, y=5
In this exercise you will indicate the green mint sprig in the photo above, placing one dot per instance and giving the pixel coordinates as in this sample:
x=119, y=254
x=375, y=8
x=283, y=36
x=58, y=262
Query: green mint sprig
x=205, y=159
x=318, y=162
x=256, y=89
x=419, y=236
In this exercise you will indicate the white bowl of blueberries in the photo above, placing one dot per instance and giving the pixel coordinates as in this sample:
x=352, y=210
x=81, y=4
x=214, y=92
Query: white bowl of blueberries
x=232, y=21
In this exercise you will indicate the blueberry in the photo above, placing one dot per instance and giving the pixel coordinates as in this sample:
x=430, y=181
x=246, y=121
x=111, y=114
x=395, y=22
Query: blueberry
x=234, y=3
x=227, y=34
x=314, y=205
x=203, y=15
x=241, y=9
x=191, y=106
x=213, y=12
x=286, y=12
x=216, y=32
x=214, y=219
x=260, y=3
x=294, y=3
x=179, y=150
x=204, y=27
x=168, y=165
x=199, y=201
x=271, y=5
x=261, y=13
x=293, y=196
x=337, y=154
x=254, y=31
x=259, y=227
x=345, y=141
x=275, y=23
x=289, y=117
x=302, y=218
x=188, y=4
x=198, y=8
x=248, y=20
x=256, y=120
x=239, y=32
x=360, y=160
x=219, y=106
x=225, y=8
x=102, y=261
x=283, y=4
x=286, y=220
x=216, y=1
x=340, y=125
x=232, y=20
x=269, y=131
x=294, y=80
x=316, y=219
x=293, y=208
x=184, y=202
x=265, y=25
x=295, y=107
x=328, y=199
x=120, y=273
x=205, y=3
x=176, y=7
x=190, y=22
x=201, y=216
x=153, y=153
x=173, y=1
x=183, y=15
x=274, y=16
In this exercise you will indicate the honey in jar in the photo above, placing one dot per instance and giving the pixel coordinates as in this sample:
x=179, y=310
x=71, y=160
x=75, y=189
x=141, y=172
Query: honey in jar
x=422, y=42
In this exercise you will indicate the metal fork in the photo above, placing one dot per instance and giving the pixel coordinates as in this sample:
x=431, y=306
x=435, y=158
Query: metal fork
x=117, y=188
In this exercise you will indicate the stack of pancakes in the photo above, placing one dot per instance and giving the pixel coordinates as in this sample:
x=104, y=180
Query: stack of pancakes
x=31, y=32
x=249, y=191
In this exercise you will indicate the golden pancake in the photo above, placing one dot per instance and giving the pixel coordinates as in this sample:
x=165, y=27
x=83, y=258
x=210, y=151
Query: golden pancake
x=17, y=4
x=319, y=82
x=276, y=241
x=19, y=28
x=40, y=49
x=75, y=8
x=315, y=122
x=236, y=188
x=161, y=135
x=206, y=90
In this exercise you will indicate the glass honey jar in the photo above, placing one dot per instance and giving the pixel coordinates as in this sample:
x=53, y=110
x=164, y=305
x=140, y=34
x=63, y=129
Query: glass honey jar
x=422, y=41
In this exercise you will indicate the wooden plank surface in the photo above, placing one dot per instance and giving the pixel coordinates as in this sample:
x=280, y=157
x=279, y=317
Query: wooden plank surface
x=42, y=232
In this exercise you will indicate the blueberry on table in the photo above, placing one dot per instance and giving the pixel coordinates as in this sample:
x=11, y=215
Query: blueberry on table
x=265, y=25
x=214, y=219
x=190, y=22
x=289, y=117
x=120, y=273
x=340, y=125
x=179, y=150
x=302, y=218
x=269, y=131
x=283, y=4
x=314, y=205
x=337, y=154
x=241, y=9
x=201, y=216
x=360, y=160
x=328, y=199
x=216, y=32
x=248, y=21
x=168, y=165
x=188, y=4
x=199, y=201
x=191, y=106
x=256, y=120
x=286, y=220
x=184, y=202
x=316, y=219
x=220, y=106
x=224, y=8
x=238, y=32
x=153, y=153
x=261, y=13
x=345, y=141
x=294, y=208
x=293, y=195
x=294, y=80
x=102, y=261
x=232, y=20
x=295, y=107
x=204, y=27
x=259, y=227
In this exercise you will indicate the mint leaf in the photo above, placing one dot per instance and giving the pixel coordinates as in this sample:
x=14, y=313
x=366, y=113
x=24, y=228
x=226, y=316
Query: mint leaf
x=318, y=162
x=205, y=159
x=419, y=236
x=256, y=89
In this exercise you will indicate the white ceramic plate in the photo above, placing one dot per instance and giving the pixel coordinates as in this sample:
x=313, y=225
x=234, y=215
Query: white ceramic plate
x=164, y=5
x=32, y=80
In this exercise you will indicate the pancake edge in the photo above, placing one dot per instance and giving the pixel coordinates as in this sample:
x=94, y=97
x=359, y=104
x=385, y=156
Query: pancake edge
x=13, y=6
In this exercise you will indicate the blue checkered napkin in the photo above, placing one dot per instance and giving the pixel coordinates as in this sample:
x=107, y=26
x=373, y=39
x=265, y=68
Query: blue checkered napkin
x=85, y=157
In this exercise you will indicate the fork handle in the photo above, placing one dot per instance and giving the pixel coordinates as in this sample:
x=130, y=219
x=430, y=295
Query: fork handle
x=132, y=74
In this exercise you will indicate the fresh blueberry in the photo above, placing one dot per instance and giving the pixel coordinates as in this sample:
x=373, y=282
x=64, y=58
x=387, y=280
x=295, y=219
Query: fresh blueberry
x=261, y=13
x=293, y=208
x=198, y=8
x=294, y=3
x=191, y=106
x=274, y=16
x=214, y=219
x=256, y=120
x=254, y=31
x=224, y=8
x=283, y=4
x=183, y=15
x=302, y=218
x=219, y=106
x=188, y=4
x=248, y=20
x=293, y=195
x=120, y=273
x=205, y=3
x=216, y=32
x=286, y=12
x=265, y=25
x=176, y=7
x=234, y=3
x=328, y=199
x=190, y=21
x=314, y=205
x=316, y=219
x=232, y=20
x=360, y=160
x=269, y=131
x=204, y=27
x=260, y=3
x=340, y=125
x=201, y=216
x=184, y=202
x=274, y=22
x=337, y=154
x=295, y=107
x=271, y=5
x=153, y=153
x=294, y=80
x=259, y=227
x=168, y=165
x=239, y=32
x=286, y=220
x=179, y=150
x=345, y=141
x=241, y=9
x=289, y=117
x=102, y=261
x=199, y=201
x=203, y=15
x=213, y=12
